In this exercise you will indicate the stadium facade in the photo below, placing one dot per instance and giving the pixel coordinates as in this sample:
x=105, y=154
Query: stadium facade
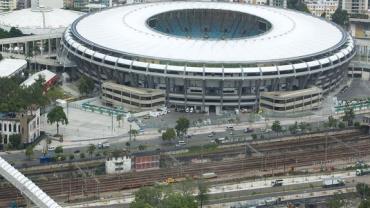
x=209, y=55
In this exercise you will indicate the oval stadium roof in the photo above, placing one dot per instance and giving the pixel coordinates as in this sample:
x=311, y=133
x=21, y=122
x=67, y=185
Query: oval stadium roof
x=293, y=34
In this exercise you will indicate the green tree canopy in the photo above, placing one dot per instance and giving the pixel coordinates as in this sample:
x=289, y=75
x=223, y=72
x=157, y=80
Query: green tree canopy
x=169, y=134
x=349, y=115
x=29, y=152
x=16, y=141
x=276, y=127
x=57, y=116
x=91, y=149
x=298, y=5
x=58, y=150
x=12, y=33
x=182, y=125
x=157, y=197
x=340, y=17
x=14, y=98
x=86, y=85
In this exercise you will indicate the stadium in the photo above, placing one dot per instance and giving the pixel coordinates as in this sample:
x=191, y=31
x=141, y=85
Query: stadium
x=211, y=56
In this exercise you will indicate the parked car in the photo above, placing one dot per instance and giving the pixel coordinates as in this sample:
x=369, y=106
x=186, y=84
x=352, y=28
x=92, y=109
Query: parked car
x=51, y=148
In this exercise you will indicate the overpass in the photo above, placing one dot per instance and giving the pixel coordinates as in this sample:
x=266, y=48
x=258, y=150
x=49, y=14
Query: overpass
x=35, y=48
x=26, y=186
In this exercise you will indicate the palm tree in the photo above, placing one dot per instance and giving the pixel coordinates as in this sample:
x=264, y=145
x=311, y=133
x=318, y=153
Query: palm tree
x=91, y=150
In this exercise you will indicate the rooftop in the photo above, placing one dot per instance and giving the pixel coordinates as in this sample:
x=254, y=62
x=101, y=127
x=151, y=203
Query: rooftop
x=9, y=67
x=295, y=93
x=293, y=35
x=46, y=74
x=36, y=21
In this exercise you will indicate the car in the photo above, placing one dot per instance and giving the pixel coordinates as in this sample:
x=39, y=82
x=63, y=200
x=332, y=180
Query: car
x=76, y=151
x=229, y=127
x=231, y=133
x=180, y=143
x=210, y=135
x=188, y=136
x=248, y=130
x=51, y=148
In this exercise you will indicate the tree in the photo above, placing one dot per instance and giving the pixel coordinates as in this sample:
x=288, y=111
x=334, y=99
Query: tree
x=254, y=136
x=340, y=17
x=14, y=32
x=119, y=119
x=82, y=155
x=142, y=147
x=298, y=5
x=1, y=56
x=91, y=150
x=276, y=127
x=323, y=15
x=336, y=201
x=57, y=115
x=332, y=122
x=71, y=157
x=202, y=196
x=349, y=115
x=182, y=125
x=303, y=126
x=364, y=204
x=134, y=133
x=363, y=190
x=169, y=134
x=341, y=125
x=157, y=197
x=29, y=152
x=16, y=140
x=86, y=85
x=293, y=128
x=149, y=195
x=58, y=150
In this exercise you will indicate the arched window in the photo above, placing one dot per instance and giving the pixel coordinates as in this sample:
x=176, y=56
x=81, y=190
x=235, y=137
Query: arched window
x=10, y=128
x=14, y=127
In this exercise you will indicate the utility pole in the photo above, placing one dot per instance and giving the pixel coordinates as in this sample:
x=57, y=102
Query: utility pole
x=130, y=134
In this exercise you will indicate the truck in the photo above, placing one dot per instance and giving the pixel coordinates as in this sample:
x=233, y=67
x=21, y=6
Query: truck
x=103, y=145
x=332, y=182
x=277, y=182
x=363, y=171
x=209, y=175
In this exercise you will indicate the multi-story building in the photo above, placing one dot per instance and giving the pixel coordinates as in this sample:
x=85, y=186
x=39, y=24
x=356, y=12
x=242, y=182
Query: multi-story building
x=8, y=5
x=133, y=98
x=355, y=6
x=26, y=123
x=278, y=3
x=320, y=7
x=23, y=4
x=299, y=100
x=115, y=165
x=80, y=4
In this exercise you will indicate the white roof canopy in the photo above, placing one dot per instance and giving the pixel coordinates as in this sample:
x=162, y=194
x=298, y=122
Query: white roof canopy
x=293, y=34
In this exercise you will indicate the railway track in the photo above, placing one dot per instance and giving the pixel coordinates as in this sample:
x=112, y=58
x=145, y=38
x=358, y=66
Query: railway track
x=66, y=188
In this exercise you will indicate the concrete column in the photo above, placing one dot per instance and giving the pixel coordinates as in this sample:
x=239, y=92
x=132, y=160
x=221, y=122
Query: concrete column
x=204, y=83
x=186, y=92
x=49, y=49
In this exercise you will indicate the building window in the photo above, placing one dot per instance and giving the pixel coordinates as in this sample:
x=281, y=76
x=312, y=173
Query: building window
x=1, y=126
x=10, y=128
x=14, y=128
x=6, y=139
x=4, y=127
x=19, y=129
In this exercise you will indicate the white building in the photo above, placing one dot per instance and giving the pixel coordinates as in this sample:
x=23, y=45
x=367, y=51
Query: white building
x=8, y=5
x=12, y=67
x=116, y=165
x=355, y=6
x=318, y=7
x=27, y=124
